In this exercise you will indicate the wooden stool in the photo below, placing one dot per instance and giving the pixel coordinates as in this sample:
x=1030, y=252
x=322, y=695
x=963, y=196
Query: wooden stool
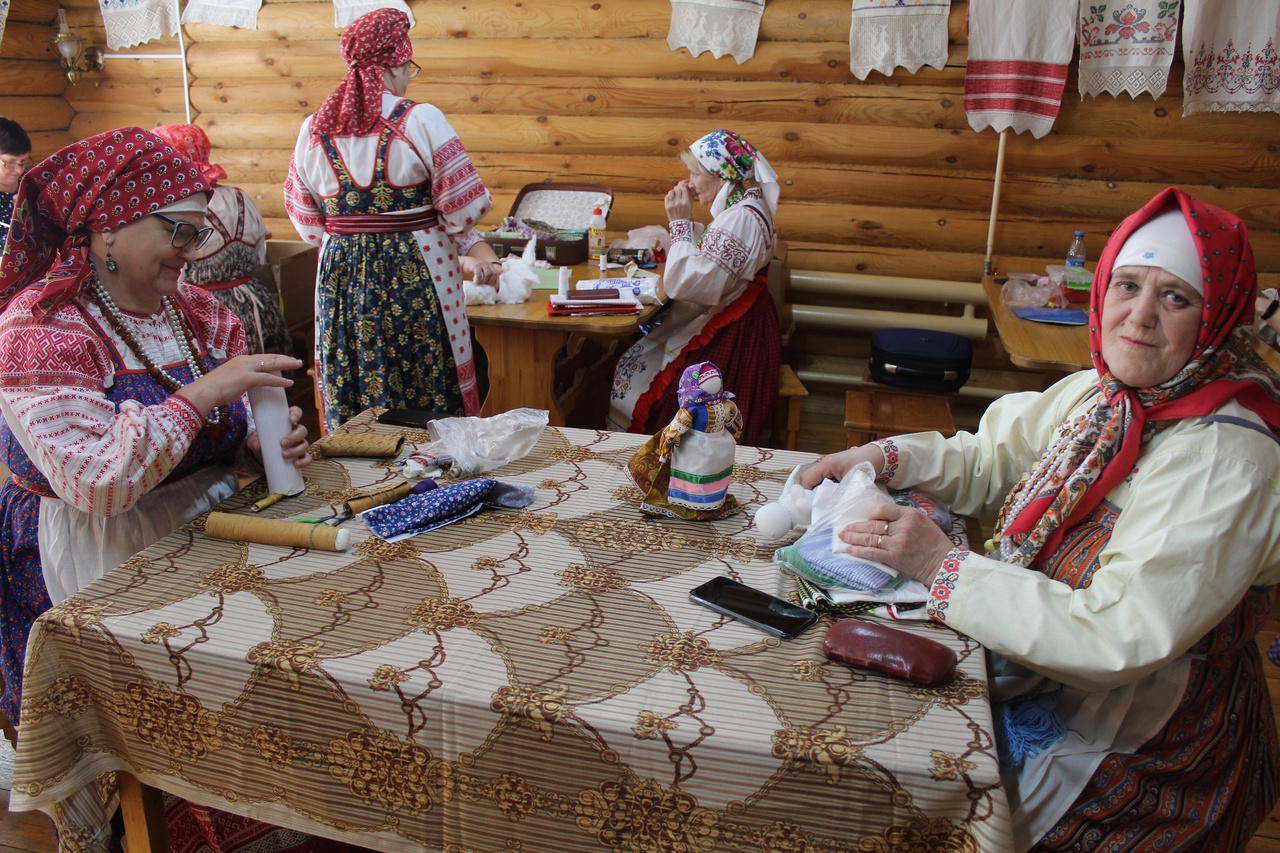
x=869, y=415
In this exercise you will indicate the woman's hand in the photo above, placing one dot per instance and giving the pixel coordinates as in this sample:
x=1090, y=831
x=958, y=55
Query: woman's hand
x=834, y=466
x=481, y=271
x=901, y=537
x=679, y=202
x=232, y=378
x=294, y=444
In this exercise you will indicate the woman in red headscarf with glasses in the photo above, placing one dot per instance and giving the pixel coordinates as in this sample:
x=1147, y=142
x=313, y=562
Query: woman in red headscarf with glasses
x=122, y=390
x=227, y=264
x=1135, y=555
x=383, y=185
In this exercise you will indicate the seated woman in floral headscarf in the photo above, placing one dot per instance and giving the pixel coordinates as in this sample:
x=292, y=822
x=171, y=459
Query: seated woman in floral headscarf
x=1135, y=557
x=226, y=265
x=721, y=310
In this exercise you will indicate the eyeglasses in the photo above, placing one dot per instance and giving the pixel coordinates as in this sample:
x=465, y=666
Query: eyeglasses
x=16, y=165
x=184, y=233
x=414, y=68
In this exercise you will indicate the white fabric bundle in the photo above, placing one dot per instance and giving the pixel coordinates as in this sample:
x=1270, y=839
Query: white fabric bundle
x=1225, y=49
x=720, y=26
x=911, y=35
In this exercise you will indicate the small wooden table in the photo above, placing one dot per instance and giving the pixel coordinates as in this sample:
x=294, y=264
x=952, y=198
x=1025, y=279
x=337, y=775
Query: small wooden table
x=1037, y=346
x=523, y=344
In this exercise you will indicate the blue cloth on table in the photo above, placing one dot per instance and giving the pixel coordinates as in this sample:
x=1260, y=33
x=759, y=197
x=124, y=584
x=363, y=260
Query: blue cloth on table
x=445, y=505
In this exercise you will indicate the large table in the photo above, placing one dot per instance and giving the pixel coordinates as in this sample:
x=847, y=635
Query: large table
x=532, y=680
x=525, y=346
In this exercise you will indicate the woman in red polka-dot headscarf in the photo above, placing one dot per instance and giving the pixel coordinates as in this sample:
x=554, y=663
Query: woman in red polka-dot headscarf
x=1135, y=557
x=383, y=185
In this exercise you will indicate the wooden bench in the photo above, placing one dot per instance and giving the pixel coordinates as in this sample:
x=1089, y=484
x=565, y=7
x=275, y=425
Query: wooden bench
x=791, y=391
x=873, y=414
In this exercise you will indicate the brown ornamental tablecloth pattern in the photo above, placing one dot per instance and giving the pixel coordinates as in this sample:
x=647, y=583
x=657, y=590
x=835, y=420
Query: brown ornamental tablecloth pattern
x=525, y=680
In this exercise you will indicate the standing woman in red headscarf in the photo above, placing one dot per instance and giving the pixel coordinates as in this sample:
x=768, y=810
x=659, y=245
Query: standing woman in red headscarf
x=122, y=390
x=1135, y=556
x=385, y=188
x=226, y=265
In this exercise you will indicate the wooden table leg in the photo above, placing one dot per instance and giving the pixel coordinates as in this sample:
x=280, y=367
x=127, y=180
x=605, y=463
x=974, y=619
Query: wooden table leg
x=521, y=369
x=142, y=808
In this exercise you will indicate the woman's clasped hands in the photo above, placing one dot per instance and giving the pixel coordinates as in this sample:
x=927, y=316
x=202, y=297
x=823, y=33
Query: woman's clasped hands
x=902, y=538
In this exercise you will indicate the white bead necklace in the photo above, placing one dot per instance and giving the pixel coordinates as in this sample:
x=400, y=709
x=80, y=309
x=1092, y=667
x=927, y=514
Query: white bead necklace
x=117, y=320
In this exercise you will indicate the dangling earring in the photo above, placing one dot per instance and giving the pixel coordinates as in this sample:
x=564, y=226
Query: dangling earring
x=112, y=266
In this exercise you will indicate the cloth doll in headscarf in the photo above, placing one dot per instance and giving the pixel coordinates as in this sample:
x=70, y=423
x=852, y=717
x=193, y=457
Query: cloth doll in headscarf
x=685, y=469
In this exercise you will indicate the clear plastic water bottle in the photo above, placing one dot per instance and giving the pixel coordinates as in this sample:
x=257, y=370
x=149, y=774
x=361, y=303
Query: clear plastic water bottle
x=1075, y=255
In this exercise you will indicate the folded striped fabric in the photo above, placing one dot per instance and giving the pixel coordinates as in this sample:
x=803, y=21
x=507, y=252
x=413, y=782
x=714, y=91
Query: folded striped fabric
x=1017, y=67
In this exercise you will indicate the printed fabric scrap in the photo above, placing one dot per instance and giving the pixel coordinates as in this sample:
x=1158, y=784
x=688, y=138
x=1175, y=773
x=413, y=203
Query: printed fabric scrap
x=1229, y=52
x=910, y=33
x=1017, y=68
x=720, y=26
x=445, y=505
x=132, y=22
x=1127, y=48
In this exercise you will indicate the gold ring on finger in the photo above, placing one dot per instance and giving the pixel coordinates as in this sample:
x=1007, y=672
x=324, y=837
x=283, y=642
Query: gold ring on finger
x=879, y=540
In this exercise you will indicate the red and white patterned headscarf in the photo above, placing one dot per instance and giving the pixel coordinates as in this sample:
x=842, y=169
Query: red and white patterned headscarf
x=372, y=43
x=193, y=143
x=1093, y=454
x=96, y=184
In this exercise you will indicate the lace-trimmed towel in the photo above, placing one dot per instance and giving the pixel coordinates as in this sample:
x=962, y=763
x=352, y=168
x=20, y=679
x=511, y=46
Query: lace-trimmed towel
x=1127, y=48
x=132, y=22
x=346, y=11
x=911, y=35
x=223, y=13
x=1229, y=52
x=1017, y=69
x=720, y=26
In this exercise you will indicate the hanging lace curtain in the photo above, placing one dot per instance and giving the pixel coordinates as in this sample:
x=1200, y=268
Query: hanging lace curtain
x=346, y=11
x=720, y=26
x=132, y=22
x=223, y=13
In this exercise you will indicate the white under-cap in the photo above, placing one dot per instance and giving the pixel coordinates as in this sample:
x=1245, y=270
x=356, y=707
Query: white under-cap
x=1164, y=241
x=194, y=203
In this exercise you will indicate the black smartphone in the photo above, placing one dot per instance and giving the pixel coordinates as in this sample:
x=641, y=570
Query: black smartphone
x=418, y=418
x=757, y=608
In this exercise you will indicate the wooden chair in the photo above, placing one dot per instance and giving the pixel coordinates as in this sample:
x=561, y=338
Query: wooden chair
x=791, y=391
x=873, y=414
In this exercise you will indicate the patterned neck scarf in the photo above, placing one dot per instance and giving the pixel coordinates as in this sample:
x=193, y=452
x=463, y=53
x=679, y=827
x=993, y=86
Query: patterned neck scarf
x=693, y=389
x=1092, y=454
x=374, y=42
x=191, y=142
x=728, y=156
x=97, y=184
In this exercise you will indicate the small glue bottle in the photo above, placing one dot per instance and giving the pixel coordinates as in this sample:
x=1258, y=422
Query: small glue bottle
x=595, y=234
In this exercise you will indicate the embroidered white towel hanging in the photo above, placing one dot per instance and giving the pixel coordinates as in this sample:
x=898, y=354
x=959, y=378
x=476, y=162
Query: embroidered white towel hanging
x=223, y=13
x=911, y=34
x=1127, y=48
x=346, y=11
x=1017, y=68
x=1229, y=53
x=132, y=22
x=720, y=26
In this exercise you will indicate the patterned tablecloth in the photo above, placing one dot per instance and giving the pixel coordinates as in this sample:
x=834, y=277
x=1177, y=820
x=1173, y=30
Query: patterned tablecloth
x=525, y=680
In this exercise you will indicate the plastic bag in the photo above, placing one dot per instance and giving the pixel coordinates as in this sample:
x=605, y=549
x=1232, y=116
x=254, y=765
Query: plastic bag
x=1042, y=293
x=653, y=237
x=477, y=445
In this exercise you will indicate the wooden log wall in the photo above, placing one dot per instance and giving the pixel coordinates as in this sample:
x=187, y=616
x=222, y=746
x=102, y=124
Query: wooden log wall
x=881, y=176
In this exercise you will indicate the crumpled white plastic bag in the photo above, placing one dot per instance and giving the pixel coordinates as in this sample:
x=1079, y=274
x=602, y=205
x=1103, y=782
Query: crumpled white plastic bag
x=482, y=444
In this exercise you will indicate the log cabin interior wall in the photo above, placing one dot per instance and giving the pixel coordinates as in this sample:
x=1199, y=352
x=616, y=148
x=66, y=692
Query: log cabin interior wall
x=883, y=176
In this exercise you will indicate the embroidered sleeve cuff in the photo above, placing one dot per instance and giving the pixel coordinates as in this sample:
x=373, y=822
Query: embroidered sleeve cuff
x=891, y=457
x=682, y=229
x=186, y=412
x=944, y=584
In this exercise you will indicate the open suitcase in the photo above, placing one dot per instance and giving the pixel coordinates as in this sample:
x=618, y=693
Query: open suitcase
x=921, y=359
x=565, y=207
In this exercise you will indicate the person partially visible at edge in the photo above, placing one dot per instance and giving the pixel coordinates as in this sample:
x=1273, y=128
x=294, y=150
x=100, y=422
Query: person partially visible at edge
x=123, y=391
x=384, y=186
x=226, y=265
x=15, y=159
x=720, y=309
x=1134, y=559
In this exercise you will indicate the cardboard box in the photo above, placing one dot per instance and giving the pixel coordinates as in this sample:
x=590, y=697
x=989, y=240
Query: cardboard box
x=292, y=265
x=565, y=207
